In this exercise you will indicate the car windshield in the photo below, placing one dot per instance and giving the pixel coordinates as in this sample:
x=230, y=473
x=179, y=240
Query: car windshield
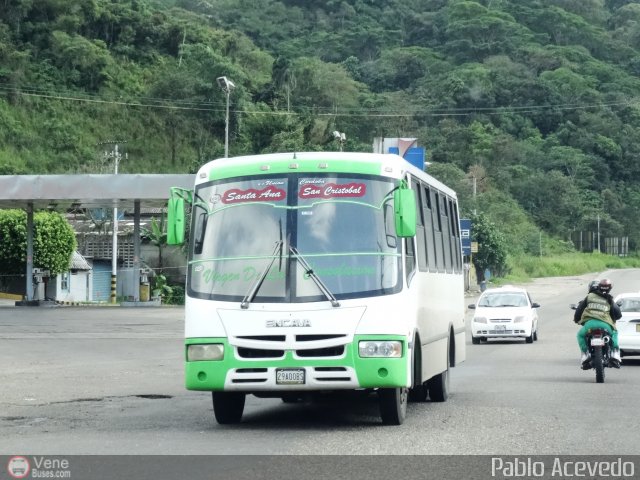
x=511, y=299
x=631, y=304
x=341, y=228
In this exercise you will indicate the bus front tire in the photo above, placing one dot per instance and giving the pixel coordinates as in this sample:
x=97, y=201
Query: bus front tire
x=393, y=405
x=228, y=406
x=418, y=392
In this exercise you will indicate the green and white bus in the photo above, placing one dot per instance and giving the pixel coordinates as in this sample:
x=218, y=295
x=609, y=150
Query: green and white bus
x=319, y=272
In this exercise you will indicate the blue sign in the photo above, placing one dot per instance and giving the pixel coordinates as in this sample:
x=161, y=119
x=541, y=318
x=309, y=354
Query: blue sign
x=414, y=155
x=465, y=235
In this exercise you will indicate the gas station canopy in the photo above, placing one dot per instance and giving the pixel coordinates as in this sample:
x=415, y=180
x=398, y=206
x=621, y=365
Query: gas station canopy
x=63, y=192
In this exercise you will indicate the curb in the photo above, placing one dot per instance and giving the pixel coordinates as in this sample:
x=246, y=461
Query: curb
x=85, y=304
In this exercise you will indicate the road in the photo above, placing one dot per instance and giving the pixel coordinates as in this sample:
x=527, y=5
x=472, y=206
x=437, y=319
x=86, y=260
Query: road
x=110, y=381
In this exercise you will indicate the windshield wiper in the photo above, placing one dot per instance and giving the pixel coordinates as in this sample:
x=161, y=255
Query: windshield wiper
x=251, y=294
x=309, y=271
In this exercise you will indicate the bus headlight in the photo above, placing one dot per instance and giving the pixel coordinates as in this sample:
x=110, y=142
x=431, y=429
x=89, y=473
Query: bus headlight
x=388, y=349
x=198, y=353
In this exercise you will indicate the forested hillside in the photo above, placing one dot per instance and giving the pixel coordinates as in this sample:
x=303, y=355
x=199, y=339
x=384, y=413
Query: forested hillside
x=535, y=102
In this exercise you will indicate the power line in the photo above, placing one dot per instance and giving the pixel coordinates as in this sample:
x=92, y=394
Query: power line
x=354, y=112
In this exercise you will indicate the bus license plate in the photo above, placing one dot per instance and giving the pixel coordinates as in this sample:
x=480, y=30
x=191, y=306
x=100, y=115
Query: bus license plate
x=290, y=376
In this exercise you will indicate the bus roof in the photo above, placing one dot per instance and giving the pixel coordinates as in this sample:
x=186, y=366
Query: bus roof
x=389, y=165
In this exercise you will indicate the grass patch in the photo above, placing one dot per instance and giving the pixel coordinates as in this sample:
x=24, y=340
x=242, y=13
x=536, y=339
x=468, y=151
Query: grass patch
x=524, y=268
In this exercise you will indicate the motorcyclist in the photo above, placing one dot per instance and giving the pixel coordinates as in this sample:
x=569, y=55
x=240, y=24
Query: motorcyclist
x=598, y=310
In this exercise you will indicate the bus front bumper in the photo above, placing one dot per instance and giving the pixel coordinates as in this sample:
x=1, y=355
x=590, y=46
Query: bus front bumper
x=291, y=372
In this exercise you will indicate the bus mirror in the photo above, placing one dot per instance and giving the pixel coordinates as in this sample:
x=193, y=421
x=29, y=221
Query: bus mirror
x=175, y=221
x=404, y=201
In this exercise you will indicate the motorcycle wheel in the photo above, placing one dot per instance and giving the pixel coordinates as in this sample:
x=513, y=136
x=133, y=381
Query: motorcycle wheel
x=598, y=364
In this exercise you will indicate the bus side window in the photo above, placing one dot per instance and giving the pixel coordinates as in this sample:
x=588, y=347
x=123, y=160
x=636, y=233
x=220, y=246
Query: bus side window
x=389, y=226
x=410, y=259
x=420, y=230
x=428, y=228
x=437, y=227
x=446, y=235
x=200, y=230
x=455, y=236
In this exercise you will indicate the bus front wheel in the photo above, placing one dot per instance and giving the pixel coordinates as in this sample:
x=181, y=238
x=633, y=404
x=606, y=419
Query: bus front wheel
x=393, y=405
x=228, y=406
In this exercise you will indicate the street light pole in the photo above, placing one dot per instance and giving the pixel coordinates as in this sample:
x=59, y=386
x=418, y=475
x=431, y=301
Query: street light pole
x=226, y=85
x=226, y=128
x=340, y=138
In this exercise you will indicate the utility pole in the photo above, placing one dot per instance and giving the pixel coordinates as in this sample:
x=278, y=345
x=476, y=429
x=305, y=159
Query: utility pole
x=117, y=156
x=540, y=241
x=475, y=188
x=114, y=248
x=599, y=234
x=184, y=38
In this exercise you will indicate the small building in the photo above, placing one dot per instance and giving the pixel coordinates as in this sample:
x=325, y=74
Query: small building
x=76, y=285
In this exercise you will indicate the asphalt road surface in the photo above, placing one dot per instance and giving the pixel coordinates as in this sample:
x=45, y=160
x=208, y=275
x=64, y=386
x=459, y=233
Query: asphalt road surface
x=110, y=381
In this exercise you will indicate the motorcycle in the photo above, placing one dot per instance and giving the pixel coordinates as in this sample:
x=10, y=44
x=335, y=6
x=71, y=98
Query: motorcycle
x=599, y=342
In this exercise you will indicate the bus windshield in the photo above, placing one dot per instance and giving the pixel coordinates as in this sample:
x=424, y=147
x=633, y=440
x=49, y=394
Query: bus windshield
x=339, y=226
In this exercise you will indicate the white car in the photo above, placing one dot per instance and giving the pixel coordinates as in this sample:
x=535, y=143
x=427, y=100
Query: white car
x=504, y=312
x=629, y=325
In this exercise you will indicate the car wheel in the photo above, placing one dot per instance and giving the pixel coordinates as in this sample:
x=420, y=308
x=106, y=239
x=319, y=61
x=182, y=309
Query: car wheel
x=475, y=340
x=535, y=335
x=531, y=337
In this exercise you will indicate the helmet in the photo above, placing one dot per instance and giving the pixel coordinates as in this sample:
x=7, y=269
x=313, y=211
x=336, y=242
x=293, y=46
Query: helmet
x=593, y=285
x=605, y=285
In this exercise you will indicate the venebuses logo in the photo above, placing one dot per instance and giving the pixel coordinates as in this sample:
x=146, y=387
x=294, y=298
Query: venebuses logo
x=18, y=467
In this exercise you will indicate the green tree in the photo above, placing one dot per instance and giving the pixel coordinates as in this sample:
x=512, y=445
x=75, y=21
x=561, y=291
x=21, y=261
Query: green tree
x=324, y=85
x=157, y=235
x=53, y=241
x=492, y=248
x=84, y=62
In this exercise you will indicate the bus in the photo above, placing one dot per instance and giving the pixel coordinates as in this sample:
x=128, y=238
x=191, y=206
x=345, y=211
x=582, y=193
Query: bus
x=320, y=272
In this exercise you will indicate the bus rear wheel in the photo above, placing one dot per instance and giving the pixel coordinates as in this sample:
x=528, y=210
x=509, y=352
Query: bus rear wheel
x=393, y=405
x=228, y=406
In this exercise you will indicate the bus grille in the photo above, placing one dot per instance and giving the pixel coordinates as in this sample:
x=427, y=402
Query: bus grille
x=336, y=351
x=244, y=352
x=312, y=338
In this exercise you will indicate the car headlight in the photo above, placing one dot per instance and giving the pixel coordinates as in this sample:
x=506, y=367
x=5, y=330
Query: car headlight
x=480, y=319
x=387, y=349
x=198, y=353
x=519, y=319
